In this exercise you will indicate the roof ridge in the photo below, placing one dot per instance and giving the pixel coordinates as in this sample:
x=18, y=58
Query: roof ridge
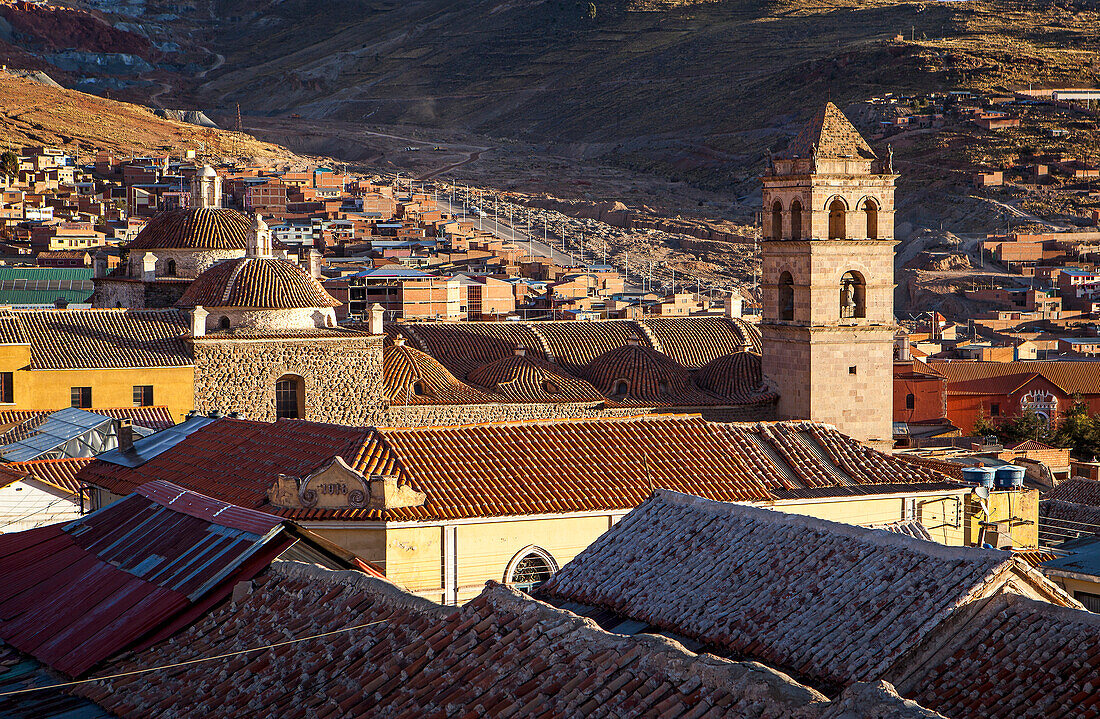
x=555, y=420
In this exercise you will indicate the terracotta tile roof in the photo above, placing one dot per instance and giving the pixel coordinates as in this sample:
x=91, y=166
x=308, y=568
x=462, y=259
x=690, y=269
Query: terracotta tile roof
x=11, y=329
x=1016, y=658
x=10, y=475
x=1071, y=377
x=260, y=282
x=696, y=341
x=1077, y=489
x=996, y=385
x=524, y=468
x=573, y=345
x=833, y=135
x=1060, y=521
x=464, y=346
x=530, y=379
x=412, y=377
x=829, y=601
x=200, y=228
x=60, y=473
x=951, y=469
x=106, y=338
x=737, y=377
x=500, y=655
x=652, y=378
x=1029, y=445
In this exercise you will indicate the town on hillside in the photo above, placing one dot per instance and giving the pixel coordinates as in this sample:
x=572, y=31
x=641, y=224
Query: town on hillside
x=296, y=441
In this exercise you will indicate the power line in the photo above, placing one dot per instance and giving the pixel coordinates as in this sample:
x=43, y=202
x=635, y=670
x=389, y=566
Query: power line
x=191, y=661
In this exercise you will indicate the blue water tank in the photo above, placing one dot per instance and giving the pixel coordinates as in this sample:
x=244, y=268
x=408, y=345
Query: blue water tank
x=979, y=475
x=1009, y=477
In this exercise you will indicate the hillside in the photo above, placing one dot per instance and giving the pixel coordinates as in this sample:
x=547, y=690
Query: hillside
x=33, y=114
x=695, y=87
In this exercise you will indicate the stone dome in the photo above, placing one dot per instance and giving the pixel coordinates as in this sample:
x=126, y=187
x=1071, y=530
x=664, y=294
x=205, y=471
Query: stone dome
x=410, y=376
x=196, y=228
x=522, y=378
x=738, y=377
x=633, y=373
x=257, y=283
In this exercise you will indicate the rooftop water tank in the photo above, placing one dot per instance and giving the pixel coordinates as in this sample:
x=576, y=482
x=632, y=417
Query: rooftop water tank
x=979, y=475
x=1009, y=477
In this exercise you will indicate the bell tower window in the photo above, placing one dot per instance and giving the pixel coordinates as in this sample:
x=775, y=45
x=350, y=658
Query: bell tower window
x=837, y=212
x=852, y=296
x=786, y=296
x=170, y=268
x=777, y=220
x=870, y=209
x=796, y=220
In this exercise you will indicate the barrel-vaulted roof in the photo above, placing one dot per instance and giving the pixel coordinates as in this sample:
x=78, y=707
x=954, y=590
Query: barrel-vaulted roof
x=197, y=228
x=523, y=378
x=257, y=282
x=413, y=377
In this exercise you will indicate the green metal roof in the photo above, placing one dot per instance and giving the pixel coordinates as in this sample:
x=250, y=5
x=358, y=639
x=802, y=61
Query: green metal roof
x=43, y=298
x=51, y=274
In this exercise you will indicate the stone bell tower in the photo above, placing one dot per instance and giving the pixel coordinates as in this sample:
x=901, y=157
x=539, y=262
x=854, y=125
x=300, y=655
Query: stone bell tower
x=828, y=279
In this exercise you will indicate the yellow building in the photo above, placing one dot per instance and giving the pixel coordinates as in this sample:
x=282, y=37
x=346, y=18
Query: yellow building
x=445, y=509
x=95, y=358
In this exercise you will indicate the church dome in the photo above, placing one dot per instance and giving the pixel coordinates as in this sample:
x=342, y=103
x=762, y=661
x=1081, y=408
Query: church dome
x=257, y=283
x=196, y=228
x=410, y=376
x=522, y=378
x=738, y=377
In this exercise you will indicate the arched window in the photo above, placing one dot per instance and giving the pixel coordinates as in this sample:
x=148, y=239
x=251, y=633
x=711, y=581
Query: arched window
x=170, y=268
x=777, y=220
x=289, y=396
x=837, y=212
x=529, y=568
x=418, y=389
x=223, y=323
x=550, y=388
x=852, y=296
x=786, y=296
x=910, y=401
x=620, y=387
x=796, y=220
x=870, y=209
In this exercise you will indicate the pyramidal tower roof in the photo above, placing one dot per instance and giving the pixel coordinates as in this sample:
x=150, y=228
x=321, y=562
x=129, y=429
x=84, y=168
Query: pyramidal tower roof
x=834, y=136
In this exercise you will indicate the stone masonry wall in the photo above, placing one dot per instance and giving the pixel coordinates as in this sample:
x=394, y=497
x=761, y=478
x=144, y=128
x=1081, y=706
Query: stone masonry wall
x=342, y=377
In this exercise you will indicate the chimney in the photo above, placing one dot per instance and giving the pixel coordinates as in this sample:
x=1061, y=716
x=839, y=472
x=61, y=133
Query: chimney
x=315, y=264
x=733, y=306
x=399, y=341
x=149, y=267
x=377, y=315
x=259, y=243
x=125, y=436
x=198, y=321
x=903, y=348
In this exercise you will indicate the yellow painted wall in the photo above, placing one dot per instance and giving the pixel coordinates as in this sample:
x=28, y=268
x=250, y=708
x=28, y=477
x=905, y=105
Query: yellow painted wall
x=484, y=550
x=936, y=513
x=173, y=387
x=1023, y=504
x=414, y=559
x=1072, y=585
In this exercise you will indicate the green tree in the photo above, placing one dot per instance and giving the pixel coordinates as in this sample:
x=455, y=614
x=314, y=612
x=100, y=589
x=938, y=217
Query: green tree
x=9, y=163
x=1078, y=430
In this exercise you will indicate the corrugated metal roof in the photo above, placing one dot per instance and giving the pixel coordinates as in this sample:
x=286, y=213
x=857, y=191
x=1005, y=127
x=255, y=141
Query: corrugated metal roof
x=125, y=572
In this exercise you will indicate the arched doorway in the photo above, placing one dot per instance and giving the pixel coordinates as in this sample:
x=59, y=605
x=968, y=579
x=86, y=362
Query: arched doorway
x=870, y=210
x=786, y=296
x=796, y=220
x=837, y=216
x=853, y=301
x=529, y=568
x=777, y=220
x=289, y=397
